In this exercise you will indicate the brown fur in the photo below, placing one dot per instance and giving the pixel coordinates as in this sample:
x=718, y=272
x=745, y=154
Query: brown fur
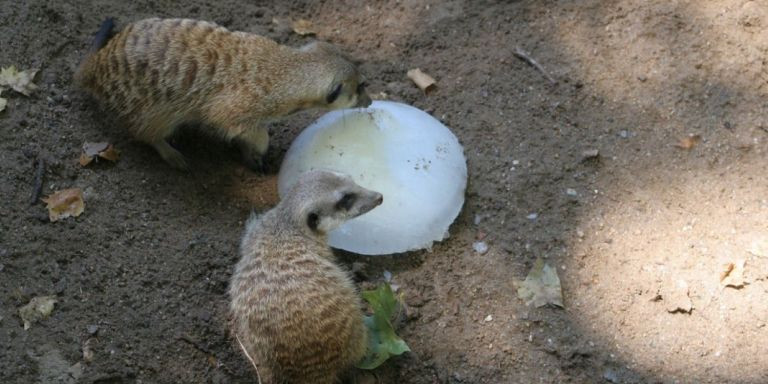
x=159, y=73
x=296, y=313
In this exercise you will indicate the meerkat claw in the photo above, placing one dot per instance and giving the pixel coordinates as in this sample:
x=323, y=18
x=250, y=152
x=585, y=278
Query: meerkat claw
x=255, y=163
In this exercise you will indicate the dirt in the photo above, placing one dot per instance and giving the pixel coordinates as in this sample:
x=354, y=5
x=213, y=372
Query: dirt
x=141, y=276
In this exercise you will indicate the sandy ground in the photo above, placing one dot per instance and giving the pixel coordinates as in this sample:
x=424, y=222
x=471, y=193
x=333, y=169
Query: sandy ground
x=141, y=276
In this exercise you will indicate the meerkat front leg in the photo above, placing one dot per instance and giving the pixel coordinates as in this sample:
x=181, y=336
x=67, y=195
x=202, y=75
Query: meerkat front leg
x=253, y=143
x=171, y=156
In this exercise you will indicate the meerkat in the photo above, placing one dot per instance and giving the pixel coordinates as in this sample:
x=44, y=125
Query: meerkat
x=295, y=313
x=157, y=74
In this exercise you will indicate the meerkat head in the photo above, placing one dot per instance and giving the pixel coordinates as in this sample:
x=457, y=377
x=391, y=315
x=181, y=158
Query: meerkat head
x=339, y=84
x=320, y=201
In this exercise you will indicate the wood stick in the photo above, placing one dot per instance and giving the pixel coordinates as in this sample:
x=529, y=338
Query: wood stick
x=425, y=82
x=520, y=54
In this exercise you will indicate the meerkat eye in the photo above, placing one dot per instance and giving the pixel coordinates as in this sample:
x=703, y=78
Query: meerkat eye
x=313, y=220
x=334, y=94
x=346, y=202
x=361, y=87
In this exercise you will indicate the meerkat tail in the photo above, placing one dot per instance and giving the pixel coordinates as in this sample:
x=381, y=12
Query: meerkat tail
x=105, y=33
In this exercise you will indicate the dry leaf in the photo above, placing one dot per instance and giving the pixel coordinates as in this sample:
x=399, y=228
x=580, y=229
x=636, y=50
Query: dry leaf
x=304, y=27
x=85, y=159
x=425, y=82
x=38, y=308
x=733, y=275
x=92, y=150
x=759, y=247
x=541, y=286
x=65, y=203
x=110, y=153
x=688, y=142
x=88, y=350
x=20, y=82
x=676, y=297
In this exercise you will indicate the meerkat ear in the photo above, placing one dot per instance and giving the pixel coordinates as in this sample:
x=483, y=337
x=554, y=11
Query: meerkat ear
x=313, y=220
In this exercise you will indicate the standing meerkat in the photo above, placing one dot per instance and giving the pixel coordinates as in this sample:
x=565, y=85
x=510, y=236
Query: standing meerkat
x=295, y=313
x=159, y=73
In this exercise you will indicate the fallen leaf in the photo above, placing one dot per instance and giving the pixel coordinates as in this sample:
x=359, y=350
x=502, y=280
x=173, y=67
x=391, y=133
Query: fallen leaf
x=425, y=82
x=383, y=342
x=65, y=203
x=85, y=159
x=93, y=150
x=733, y=275
x=759, y=247
x=676, y=298
x=688, y=142
x=541, y=286
x=110, y=154
x=18, y=81
x=37, y=309
x=303, y=27
x=88, y=350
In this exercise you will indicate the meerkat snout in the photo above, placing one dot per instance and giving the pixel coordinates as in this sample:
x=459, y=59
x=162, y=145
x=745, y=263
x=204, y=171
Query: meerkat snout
x=328, y=199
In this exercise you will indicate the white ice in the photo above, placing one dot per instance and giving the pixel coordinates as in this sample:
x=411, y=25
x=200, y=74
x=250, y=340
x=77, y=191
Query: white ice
x=398, y=150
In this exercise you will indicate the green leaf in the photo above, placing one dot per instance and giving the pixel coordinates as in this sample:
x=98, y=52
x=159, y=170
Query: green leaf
x=383, y=342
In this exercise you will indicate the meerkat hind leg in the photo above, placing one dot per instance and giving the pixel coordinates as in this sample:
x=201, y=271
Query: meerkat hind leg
x=171, y=156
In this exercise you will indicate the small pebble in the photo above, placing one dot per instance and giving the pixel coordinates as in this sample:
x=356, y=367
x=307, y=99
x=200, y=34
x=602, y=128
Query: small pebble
x=489, y=318
x=204, y=316
x=571, y=192
x=532, y=216
x=590, y=154
x=480, y=247
x=93, y=329
x=610, y=376
x=624, y=134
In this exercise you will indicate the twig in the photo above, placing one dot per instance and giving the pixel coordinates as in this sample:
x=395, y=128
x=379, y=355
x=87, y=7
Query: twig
x=38, y=181
x=520, y=54
x=258, y=377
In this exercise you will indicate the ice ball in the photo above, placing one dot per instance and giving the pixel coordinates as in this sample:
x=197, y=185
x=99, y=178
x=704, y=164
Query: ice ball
x=395, y=149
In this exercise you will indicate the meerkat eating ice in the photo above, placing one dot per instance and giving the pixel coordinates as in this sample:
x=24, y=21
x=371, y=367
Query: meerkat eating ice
x=157, y=74
x=295, y=313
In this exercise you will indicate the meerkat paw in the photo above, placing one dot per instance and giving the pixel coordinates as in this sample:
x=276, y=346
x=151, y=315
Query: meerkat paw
x=171, y=156
x=254, y=161
x=253, y=146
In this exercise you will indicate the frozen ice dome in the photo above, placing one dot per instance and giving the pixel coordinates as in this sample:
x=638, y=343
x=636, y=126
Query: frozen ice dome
x=395, y=149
